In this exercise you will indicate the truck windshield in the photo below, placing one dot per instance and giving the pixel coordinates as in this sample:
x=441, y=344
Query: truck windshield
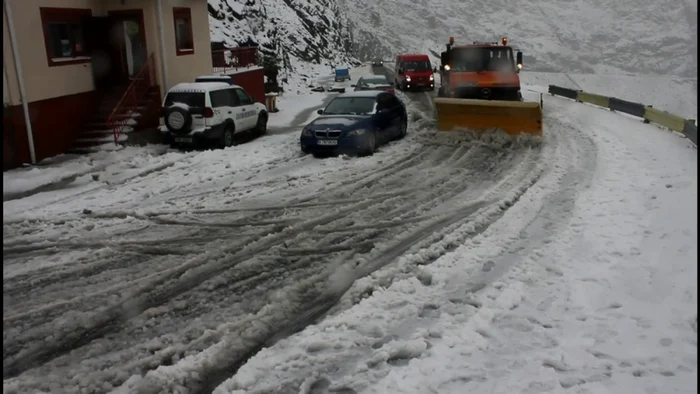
x=483, y=59
x=350, y=106
x=422, y=65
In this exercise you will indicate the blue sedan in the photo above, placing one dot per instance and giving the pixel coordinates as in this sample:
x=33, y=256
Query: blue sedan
x=356, y=122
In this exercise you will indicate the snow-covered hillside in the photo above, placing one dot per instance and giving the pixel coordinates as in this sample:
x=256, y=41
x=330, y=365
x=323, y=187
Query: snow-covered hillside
x=586, y=36
x=308, y=31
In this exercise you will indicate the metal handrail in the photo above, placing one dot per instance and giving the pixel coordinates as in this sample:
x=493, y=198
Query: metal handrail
x=131, y=97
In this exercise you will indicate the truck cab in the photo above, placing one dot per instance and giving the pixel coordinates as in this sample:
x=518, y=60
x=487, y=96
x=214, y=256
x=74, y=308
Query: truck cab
x=482, y=70
x=414, y=72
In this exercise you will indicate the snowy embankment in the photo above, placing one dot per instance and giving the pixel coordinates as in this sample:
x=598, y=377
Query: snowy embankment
x=673, y=94
x=588, y=281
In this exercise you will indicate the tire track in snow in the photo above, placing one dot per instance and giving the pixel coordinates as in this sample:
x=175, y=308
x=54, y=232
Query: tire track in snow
x=109, y=319
x=226, y=363
x=191, y=274
x=209, y=378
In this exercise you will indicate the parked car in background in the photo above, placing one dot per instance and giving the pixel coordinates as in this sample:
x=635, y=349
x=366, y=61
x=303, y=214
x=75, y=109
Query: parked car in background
x=356, y=123
x=200, y=113
x=215, y=78
x=414, y=72
x=342, y=73
x=374, y=82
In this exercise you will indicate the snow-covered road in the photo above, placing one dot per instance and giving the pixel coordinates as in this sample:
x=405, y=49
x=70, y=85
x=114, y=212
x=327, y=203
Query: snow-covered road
x=439, y=265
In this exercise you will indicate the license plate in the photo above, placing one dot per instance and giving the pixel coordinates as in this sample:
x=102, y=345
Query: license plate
x=420, y=84
x=328, y=142
x=183, y=139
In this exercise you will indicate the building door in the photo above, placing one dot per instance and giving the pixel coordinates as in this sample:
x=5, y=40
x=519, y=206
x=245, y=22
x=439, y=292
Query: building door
x=129, y=36
x=103, y=49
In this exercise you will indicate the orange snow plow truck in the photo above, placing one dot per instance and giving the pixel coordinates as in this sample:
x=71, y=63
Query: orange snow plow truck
x=480, y=90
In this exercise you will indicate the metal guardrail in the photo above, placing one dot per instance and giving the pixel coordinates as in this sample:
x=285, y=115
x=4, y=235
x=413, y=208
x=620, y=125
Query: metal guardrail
x=648, y=113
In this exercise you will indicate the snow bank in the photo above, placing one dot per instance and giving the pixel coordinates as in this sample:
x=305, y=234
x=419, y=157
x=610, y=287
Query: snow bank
x=66, y=168
x=673, y=94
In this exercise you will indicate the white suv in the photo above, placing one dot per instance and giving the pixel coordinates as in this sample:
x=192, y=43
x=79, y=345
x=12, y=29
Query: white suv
x=201, y=112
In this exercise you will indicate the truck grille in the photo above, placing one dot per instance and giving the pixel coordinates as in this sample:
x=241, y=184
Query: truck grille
x=327, y=133
x=484, y=93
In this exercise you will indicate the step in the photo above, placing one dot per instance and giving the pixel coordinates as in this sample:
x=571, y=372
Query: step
x=111, y=104
x=91, y=133
x=90, y=142
x=103, y=119
x=95, y=133
x=82, y=150
x=101, y=140
x=108, y=111
x=103, y=125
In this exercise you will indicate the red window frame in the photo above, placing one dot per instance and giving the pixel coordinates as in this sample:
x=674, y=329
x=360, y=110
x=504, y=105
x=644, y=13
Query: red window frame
x=72, y=17
x=183, y=13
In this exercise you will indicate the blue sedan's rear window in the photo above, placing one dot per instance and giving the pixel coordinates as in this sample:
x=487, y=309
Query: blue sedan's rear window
x=350, y=106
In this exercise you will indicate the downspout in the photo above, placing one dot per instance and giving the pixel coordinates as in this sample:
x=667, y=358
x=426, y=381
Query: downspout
x=163, y=60
x=20, y=80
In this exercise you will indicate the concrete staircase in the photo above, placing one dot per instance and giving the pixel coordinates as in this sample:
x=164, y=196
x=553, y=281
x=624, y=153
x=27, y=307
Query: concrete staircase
x=97, y=132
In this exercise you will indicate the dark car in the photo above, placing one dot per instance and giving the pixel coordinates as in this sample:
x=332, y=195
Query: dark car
x=375, y=82
x=377, y=62
x=356, y=122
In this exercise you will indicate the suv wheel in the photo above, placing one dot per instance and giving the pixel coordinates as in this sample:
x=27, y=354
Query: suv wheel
x=178, y=119
x=261, y=126
x=227, y=137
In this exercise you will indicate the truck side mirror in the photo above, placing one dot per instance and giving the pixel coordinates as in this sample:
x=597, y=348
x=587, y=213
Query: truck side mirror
x=320, y=112
x=400, y=72
x=519, y=59
x=435, y=69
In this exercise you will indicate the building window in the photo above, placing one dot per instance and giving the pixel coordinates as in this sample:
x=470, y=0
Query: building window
x=184, y=42
x=64, y=35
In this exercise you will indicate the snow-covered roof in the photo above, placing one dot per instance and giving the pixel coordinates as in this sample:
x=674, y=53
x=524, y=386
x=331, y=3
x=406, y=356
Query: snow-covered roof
x=362, y=93
x=234, y=71
x=200, y=86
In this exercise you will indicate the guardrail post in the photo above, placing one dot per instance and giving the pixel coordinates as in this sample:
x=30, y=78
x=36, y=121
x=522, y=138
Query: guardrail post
x=645, y=119
x=690, y=130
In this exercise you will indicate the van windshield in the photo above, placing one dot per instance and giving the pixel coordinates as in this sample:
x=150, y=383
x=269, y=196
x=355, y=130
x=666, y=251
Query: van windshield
x=483, y=59
x=422, y=65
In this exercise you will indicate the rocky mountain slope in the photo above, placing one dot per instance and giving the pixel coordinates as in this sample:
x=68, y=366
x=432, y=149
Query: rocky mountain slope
x=306, y=31
x=585, y=36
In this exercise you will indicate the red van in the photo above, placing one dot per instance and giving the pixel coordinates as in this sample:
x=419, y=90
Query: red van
x=414, y=72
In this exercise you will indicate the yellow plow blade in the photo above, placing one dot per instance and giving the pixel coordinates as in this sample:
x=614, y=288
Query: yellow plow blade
x=513, y=117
